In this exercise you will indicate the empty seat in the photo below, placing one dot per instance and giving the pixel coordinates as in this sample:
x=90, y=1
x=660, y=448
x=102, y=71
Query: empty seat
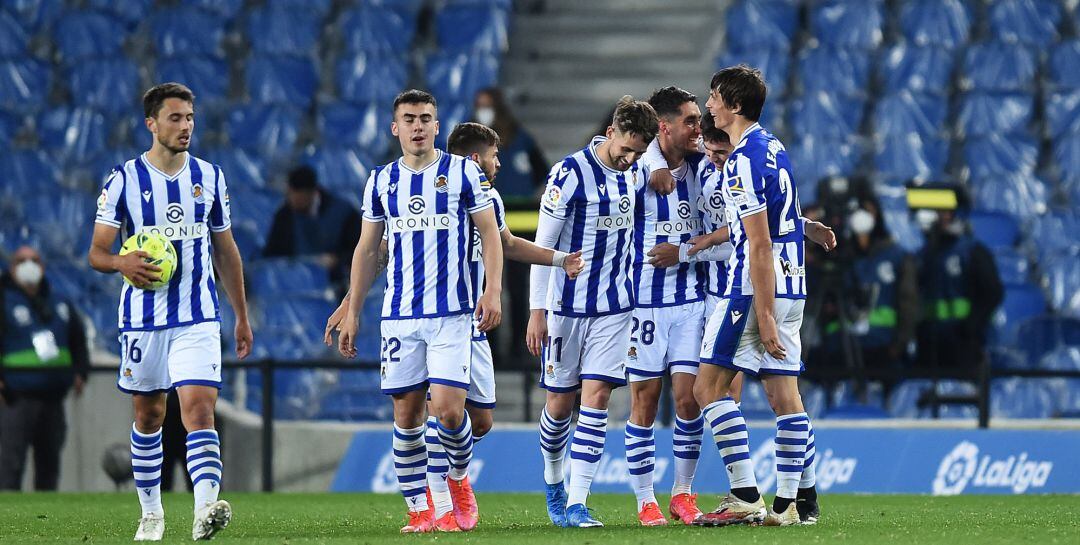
x=996, y=153
x=361, y=125
x=994, y=229
x=472, y=27
x=998, y=66
x=109, y=84
x=276, y=277
x=814, y=158
x=1063, y=63
x=1003, y=357
x=1021, y=303
x=1063, y=112
x=845, y=71
x=225, y=9
x=1031, y=22
x=1052, y=233
x=35, y=15
x=845, y=393
x=910, y=156
x=269, y=130
x=1020, y=398
x=1041, y=335
x=904, y=113
x=1063, y=280
x=74, y=135
x=252, y=209
x=379, y=27
x=1013, y=267
x=185, y=31
x=452, y=112
x=24, y=84
x=856, y=411
x=356, y=406
x=1018, y=195
x=27, y=172
x=207, y=77
x=773, y=64
x=282, y=80
x=296, y=391
x=341, y=170
x=458, y=76
x=986, y=113
x=284, y=30
x=843, y=23
x=754, y=403
x=370, y=77
x=82, y=34
x=825, y=114
x=240, y=167
x=1067, y=159
x=946, y=23
x=903, y=228
x=1062, y=358
x=922, y=69
x=13, y=37
x=909, y=399
x=128, y=11
x=10, y=124
x=754, y=24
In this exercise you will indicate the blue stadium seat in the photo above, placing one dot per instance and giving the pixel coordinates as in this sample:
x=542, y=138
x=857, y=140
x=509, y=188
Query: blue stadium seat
x=13, y=38
x=856, y=411
x=903, y=228
x=986, y=113
x=128, y=11
x=249, y=241
x=994, y=229
x=1021, y=303
x=945, y=23
x=1020, y=398
x=226, y=9
x=241, y=168
x=815, y=158
x=474, y=28
x=74, y=135
x=844, y=71
x=1066, y=392
x=1067, y=159
x=1063, y=63
x=996, y=153
x=362, y=125
x=1013, y=267
x=272, y=278
x=1003, y=357
x=766, y=25
x=186, y=31
x=10, y=124
x=35, y=15
x=905, y=113
x=341, y=170
x=109, y=84
x=207, y=77
x=909, y=156
x=379, y=27
x=903, y=401
x=921, y=69
x=458, y=76
x=283, y=30
x=82, y=34
x=282, y=80
x=844, y=393
x=827, y=115
x=318, y=7
x=1033, y=22
x=1063, y=280
x=295, y=390
x=1062, y=358
x=1018, y=195
x=1052, y=233
x=773, y=63
x=1041, y=335
x=269, y=130
x=24, y=84
x=27, y=172
x=754, y=404
x=998, y=66
x=1063, y=112
x=452, y=112
x=843, y=23
x=370, y=77
x=252, y=209
x=813, y=398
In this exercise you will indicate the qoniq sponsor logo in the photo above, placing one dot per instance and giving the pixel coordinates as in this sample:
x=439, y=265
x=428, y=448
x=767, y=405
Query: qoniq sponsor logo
x=963, y=466
x=829, y=468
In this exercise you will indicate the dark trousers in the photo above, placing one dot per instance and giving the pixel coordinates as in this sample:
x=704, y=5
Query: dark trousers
x=36, y=422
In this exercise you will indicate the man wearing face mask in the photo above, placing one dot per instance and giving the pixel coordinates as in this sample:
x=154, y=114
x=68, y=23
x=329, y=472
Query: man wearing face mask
x=524, y=167
x=43, y=354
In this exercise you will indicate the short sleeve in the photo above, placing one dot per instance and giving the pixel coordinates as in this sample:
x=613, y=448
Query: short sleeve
x=111, y=205
x=500, y=209
x=653, y=159
x=747, y=190
x=372, y=205
x=220, y=211
x=558, y=195
x=473, y=196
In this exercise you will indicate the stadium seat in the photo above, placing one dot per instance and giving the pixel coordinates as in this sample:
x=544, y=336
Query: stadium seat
x=904, y=399
x=74, y=135
x=909, y=156
x=1066, y=395
x=898, y=218
x=1051, y=234
x=1020, y=398
x=361, y=125
x=856, y=411
x=24, y=84
x=1067, y=160
x=108, y=84
x=356, y=406
x=1063, y=280
x=1063, y=112
x=844, y=393
x=379, y=27
x=282, y=80
x=271, y=278
x=452, y=113
x=761, y=25
x=269, y=130
x=370, y=77
x=995, y=154
x=827, y=115
x=187, y=31
x=1021, y=303
x=842, y=71
x=843, y=23
x=1032, y=22
x=904, y=113
x=945, y=23
x=131, y=12
x=207, y=76
x=773, y=63
x=295, y=391
x=814, y=398
x=249, y=240
x=27, y=172
x=1018, y=195
x=34, y=15
x=458, y=76
x=998, y=66
x=10, y=124
x=252, y=210
x=1062, y=358
x=994, y=229
x=1013, y=267
x=1007, y=358
x=986, y=113
x=226, y=9
x=318, y=7
x=476, y=27
x=920, y=69
x=241, y=168
x=814, y=158
x=1041, y=335
x=83, y=34
x=1063, y=63
x=754, y=404
x=341, y=170
x=13, y=38
x=280, y=29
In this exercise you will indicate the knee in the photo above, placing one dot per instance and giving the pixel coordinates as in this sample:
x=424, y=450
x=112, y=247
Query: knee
x=450, y=418
x=149, y=419
x=199, y=415
x=597, y=399
x=481, y=425
x=560, y=406
x=705, y=393
x=687, y=409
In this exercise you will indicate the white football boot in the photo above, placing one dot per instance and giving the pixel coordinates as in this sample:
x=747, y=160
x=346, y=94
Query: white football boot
x=151, y=527
x=210, y=519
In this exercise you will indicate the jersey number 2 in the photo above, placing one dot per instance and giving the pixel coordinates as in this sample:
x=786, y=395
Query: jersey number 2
x=787, y=224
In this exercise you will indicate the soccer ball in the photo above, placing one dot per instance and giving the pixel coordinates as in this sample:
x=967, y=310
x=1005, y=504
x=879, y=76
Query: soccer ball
x=161, y=252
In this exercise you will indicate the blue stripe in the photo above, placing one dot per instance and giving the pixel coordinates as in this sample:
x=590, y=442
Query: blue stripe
x=206, y=476
x=408, y=493
x=149, y=217
x=199, y=435
x=682, y=271
x=409, y=453
x=579, y=207
x=638, y=431
x=403, y=389
x=412, y=465
x=641, y=444
x=442, y=237
x=208, y=464
x=480, y=404
x=591, y=458
x=172, y=312
x=789, y=454
x=416, y=188
x=146, y=442
x=589, y=431
x=217, y=210
x=604, y=378
x=407, y=437
x=639, y=457
x=789, y=441
x=447, y=382
x=139, y=483
x=417, y=477
x=783, y=468
x=644, y=373
x=725, y=417
x=399, y=263
x=553, y=449
x=639, y=238
x=678, y=443
x=738, y=428
x=585, y=442
x=198, y=382
x=736, y=457
x=641, y=470
x=145, y=469
x=197, y=246
x=201, y=455
x=465, y=297
x=598, y=259
x=149, y=458
x=618, y=267
x=600, y=415
x=730, y=443
x=200, y=444
x=691, y=426
x=656, y=292
x=687, y=454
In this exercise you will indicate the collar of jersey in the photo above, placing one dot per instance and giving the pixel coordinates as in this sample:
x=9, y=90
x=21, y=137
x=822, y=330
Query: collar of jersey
x=590, y=152
x=749, y=130
x=438, y=157
x=168, y=178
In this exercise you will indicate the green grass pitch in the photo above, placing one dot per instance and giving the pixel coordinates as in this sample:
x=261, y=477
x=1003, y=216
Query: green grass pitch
x=512, y=519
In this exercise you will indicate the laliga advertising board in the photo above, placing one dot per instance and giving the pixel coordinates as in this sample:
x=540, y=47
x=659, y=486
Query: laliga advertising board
x=863, y=460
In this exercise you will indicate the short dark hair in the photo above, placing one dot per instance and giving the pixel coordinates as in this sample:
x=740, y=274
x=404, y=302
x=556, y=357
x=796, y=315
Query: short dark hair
x=469, y=138
x=636, y=117
x=741, y=86
x=414, y=96
x=303, y=178
x=156, y=95
x=669, y=100
x=709, y=132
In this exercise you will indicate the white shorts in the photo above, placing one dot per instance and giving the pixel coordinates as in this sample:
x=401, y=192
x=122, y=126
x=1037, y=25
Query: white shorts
x=585, y=347
x=419, y=351
x=731, y=337
x=482, y=376
x=665, y=338
x=711, y=301
x=153, y=362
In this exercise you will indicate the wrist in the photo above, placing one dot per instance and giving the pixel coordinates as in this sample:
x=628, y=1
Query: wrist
x=558, y=258
x=684, y=248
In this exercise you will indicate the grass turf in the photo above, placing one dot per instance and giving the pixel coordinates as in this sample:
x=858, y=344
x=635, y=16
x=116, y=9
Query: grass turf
x=521, y=519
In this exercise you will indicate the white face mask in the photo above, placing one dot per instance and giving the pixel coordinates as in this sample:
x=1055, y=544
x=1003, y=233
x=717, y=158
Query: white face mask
x=485, y=116
x=925, y=218
x=28, y=273
x=861, y=221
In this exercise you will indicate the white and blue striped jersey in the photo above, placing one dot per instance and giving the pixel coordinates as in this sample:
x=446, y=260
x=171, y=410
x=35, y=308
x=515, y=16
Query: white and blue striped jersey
x=476, y=259
x=714, y=217
x=426, y=214
x=757, y=178
x=185, y=208
x=674, y=218
x=596, y=207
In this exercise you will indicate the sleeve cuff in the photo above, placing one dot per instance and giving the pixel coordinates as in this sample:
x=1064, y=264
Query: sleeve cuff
x=751, y=211
x=480, y=207
x=374, y=219
x=108, y=222
x=220, y=228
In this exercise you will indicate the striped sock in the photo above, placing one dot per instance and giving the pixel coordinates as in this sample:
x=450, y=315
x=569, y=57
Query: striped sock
x=204, y=465
x=476, y=438
x=585, y=451
x=146, y=457
x=791, y=433
x=809, y=475
x=729, y=432
x=437, y=468
x=458, y=444
x=553, y=436
x=410, y=464
x=641, y=460
x=686, y=446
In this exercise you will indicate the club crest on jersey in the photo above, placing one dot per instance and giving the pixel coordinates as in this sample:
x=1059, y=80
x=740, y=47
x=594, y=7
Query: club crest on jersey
x=551, y=370
x=197, y=193
x=440, y=184
x=632, y=353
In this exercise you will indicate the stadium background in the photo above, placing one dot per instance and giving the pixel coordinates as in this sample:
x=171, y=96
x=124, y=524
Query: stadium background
x=982, y=93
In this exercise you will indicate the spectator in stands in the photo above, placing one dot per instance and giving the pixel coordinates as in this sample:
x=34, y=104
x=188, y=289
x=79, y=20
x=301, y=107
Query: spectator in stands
x=43, y=354
x=524, y=168
x=312, y=222
x=960, y=289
